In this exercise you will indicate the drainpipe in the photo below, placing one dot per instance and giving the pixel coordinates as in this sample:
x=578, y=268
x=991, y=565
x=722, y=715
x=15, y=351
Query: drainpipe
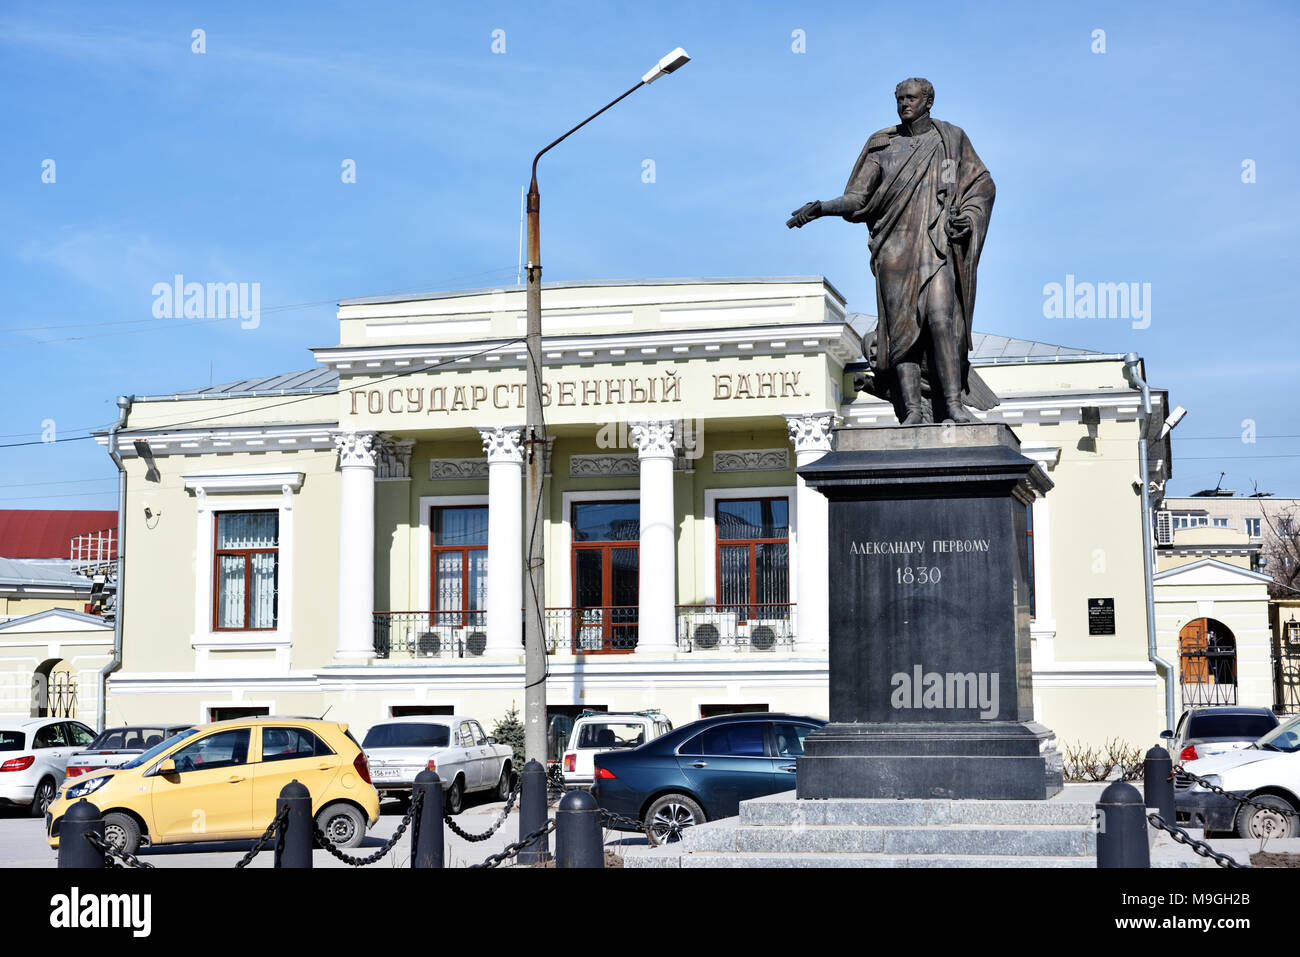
x=101, y=706
x=1131, y=368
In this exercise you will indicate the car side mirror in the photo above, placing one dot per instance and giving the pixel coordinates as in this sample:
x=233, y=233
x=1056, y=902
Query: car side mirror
x=492, y=740
x=1166, y=733
x=167, y=767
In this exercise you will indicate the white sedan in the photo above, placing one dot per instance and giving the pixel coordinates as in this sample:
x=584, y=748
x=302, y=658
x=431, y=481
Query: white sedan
x=1266, y=773
x=453, y=746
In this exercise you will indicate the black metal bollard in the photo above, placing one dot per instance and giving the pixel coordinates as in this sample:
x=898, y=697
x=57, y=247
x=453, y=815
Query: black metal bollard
x=426, y=826
x=532, y=813
x=295, y=849
x=74, y=850
x=578, y=832
x=1158, y=782
x=1122, y=828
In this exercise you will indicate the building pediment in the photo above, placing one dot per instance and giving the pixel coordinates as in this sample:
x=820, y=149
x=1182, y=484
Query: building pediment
x=1210, y=571
x=54, y=620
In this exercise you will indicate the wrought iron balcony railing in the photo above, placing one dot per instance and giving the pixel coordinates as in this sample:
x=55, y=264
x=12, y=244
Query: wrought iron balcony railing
x=430, y=634
x=756, y=627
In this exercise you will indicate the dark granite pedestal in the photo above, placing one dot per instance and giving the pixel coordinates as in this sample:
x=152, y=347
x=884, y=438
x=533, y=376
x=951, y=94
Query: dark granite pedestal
x=931, y=689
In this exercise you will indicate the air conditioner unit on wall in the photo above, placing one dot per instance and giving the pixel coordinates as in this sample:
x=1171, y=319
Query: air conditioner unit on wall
x=474, y=641
x=767, y=634
x=432, y=640
x=1164, y=527
x=709, y=630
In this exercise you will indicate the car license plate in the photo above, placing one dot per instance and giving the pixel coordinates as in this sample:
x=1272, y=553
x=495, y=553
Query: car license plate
x=385, y=773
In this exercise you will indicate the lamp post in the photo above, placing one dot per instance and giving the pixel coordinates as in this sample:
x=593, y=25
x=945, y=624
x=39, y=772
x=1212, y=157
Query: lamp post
x=535, y=443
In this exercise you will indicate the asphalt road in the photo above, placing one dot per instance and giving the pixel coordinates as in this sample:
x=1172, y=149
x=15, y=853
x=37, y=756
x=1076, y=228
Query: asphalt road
x=22, y=842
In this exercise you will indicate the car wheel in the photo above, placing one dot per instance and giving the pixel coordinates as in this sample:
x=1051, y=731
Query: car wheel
x=669, y=815
x=123, y=831
x=1257, y=823
x=42, y=798
x=455, y=799
x=506, y=785
x=342, y=824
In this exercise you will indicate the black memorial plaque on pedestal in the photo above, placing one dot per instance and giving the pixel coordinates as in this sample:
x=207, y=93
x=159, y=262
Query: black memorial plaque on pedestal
x=930, y=683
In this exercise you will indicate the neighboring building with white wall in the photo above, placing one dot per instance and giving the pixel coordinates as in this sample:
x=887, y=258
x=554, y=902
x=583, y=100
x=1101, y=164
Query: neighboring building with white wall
x=351, y=537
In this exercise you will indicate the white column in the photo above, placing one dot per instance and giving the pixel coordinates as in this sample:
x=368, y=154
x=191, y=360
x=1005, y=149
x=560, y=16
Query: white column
x=657, y=582
x=505, y=582
x=357, y=452
x=811, y=435
x=1043, y=626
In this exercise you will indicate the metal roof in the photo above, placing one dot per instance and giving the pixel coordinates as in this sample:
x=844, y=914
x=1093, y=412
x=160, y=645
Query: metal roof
x=48, y=533
x=19, y=571
x=317, y=381
x=595, y=284
x=990, y=348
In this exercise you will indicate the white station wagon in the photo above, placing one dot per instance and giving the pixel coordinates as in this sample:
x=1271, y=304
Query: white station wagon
x=453, y=746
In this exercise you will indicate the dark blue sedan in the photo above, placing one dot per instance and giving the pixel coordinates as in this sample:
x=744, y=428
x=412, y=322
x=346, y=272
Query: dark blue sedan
x=701, y=771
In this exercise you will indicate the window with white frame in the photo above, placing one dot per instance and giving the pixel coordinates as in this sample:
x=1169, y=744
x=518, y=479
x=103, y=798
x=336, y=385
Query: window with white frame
x=1220, y=523
x=246, y=548
x=1191, y=519
x=1252, y=527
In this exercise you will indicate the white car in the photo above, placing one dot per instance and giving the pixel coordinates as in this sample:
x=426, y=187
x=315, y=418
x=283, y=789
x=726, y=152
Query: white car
x=1267, y=772
x=598, y=731
x=453, y=746
x=34, y=755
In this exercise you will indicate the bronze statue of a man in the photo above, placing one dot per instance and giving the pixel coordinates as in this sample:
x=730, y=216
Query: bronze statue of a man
x=926, y=198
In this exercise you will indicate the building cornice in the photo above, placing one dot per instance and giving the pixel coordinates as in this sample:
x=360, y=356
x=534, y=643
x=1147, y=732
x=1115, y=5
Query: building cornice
x=1048, y=408
x=834, y=339
x=251, y=438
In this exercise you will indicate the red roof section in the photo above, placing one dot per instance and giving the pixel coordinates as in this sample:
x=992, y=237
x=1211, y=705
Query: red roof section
x=47, y=533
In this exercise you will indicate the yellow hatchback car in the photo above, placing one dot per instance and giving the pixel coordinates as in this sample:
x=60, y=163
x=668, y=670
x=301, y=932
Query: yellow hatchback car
x=219, y=782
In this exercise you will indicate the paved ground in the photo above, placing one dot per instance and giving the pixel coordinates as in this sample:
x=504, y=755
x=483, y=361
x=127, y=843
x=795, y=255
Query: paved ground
x=22, y=842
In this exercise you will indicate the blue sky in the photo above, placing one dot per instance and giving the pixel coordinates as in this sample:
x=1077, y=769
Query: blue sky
x=1122, y=166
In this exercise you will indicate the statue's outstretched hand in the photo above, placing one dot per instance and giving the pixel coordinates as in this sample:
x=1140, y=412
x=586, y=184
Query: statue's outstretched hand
x=804, y=214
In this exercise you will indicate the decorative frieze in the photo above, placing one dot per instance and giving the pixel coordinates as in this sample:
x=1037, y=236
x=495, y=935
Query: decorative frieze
x=607, y=464
x=457, y=470
x=752, y=460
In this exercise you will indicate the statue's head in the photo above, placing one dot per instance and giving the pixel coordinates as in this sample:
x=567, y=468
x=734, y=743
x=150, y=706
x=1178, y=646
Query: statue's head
x=914, y=96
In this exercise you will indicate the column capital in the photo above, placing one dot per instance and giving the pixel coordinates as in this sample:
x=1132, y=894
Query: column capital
x=811, y=431
x=653, y=440
x=503, y=444
x=356, y=449
x=393, y=456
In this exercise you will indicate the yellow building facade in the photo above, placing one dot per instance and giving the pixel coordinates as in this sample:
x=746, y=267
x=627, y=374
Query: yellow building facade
x=350, y=538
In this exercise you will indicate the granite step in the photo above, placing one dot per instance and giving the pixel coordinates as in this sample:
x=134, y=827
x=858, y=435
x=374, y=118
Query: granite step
x=658, y=859
x=1024, y=840
x=913, y=813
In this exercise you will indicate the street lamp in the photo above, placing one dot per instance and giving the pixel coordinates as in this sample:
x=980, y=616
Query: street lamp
x=535, y=442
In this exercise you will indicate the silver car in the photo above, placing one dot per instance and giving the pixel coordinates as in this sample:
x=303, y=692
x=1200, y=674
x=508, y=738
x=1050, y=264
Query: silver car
x=116, y=746
x=452, y=746
x=34, y=754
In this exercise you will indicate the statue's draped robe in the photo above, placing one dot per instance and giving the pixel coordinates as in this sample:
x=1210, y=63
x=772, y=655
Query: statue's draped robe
x=909, y=186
